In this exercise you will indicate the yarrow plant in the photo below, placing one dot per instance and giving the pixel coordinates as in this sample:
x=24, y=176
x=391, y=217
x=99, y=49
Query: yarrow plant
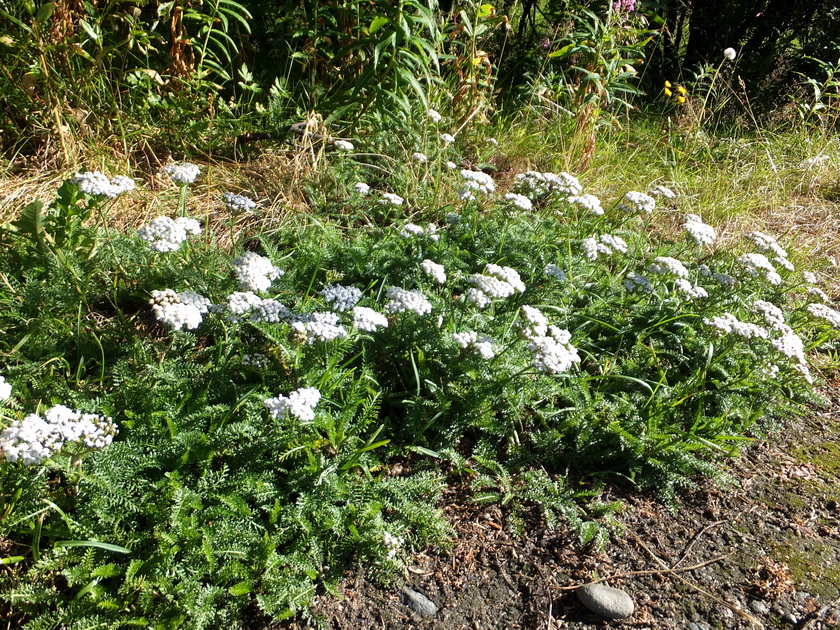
x=183, y=173
x=300, y=403
x=165, y=234
x=98, y=185
x=254, y=272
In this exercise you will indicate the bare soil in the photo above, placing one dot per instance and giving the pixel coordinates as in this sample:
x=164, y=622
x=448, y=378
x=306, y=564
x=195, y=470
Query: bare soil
x=764, y=553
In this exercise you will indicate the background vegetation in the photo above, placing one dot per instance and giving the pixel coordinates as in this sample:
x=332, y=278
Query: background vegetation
x=349, y=148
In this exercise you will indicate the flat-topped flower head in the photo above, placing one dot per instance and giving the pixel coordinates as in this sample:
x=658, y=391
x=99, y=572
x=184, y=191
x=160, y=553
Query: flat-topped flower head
x=179, y=311
x=400, y=300
x=239, y=203
x=447, y=138
x=96, y=184
x=666, y=265
x=821, y=311
x=635, y=201
x=182, y=173
x=367, y=319
x=520, y=201
x=700, y=233
x=433, y=115
x=299, y=403
x=435, y=271
x=340, y=297
x=343, y=145
x=5, y=389
x=419, y=157
x=534, y=184
x=361, y=188
x=587, y=202
x=255, y=272
x=758, y=265
x=663, y=191
x=391, y=199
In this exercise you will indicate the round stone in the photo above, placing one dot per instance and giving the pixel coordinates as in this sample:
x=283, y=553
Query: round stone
x=606, y=601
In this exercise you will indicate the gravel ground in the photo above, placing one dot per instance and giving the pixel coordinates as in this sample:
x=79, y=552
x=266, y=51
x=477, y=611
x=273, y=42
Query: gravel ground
x=764, y=553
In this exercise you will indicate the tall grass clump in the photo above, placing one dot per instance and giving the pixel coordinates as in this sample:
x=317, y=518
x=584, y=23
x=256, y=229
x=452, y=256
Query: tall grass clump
x=192, y=436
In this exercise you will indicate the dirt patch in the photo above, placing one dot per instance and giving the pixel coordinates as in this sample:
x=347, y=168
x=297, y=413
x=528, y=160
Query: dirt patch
x=764, y=553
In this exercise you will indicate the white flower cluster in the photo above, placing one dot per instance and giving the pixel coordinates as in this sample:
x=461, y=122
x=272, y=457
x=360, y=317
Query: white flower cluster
x=772, y=314
x=343, y=145
x=637, y=282
x=768, y=244
x=605, y=244
x=341, y=298
x=410, y=230
x=255, y=272
x=165, y=234
x=475, y=181
x=587, y=202
x=393, y=543
x=271, y=311
x=819, y=293
x=692, y=291
x=665, y=265
x=482, y=345
x=551, y=345
x=447, y=138
x=520, y=201
x=757, y=264
x=821, y=311
x=662, y=191
x=361, y=188
x=300, y=403
x=700, y=233
x=240, y=303
x=34, y=438
x=255, y=360
x=419, y=157
x=496, y=282
x=555, y=272
x=728, y=323
x=367, y=319
x=721, y=278
x=433, y=115
x=391, y=199
x=5, y=389
x=435, y=271
x=97, y=184
x=637, y=202
x=183, y=173
x=179, y=310
x=534, y=184
x=238, y=203
x=400, y=300
x=318, y=327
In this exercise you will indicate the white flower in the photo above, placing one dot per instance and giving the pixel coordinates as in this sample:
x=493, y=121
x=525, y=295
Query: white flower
x=535, y=325
x=391, y=198
x=493, y=141
x=773, y=315
x=810, y=277
x=179, y=310
x=790, y=345
x=553, y=353
x=255, y=272
x=165, y=234
x=534, y=184
x=361, y=188
x=320, y=327
x=271, y=311
x=756, y=264
x=434, y=270
x=636, y=282
x=434, y=116
x=701, y=233
x=465, y=339
x=806, y=373
x=451, y=166
x=604, y=244
x=367, y=319
x=392, y=543
x=665, y=265
x=730, y=54
x=419, y=157
x=401, y=300
x=520, y=201
x=482, y=345
x=767, y=243
x=477, y=297
x=476, y=181
x=34, y=439
x=555, y=272
x=341, y=298
x=728, y=323
x=447, y=138
x=238, y=203
x=637, y=202
x=5, y=389
x=96, y=184
x=300, y=404
x=819, y=293
x=183, y=173
x=343, y=145
x=662, y=191
x=587, y=202
x=505, y=274
x=821, y=311
x=255, y=360
x=691, y=291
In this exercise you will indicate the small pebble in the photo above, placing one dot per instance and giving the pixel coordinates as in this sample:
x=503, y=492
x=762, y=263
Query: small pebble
x=605, y=601
x=419, y=603
x=759, y=607
x=693, y=625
